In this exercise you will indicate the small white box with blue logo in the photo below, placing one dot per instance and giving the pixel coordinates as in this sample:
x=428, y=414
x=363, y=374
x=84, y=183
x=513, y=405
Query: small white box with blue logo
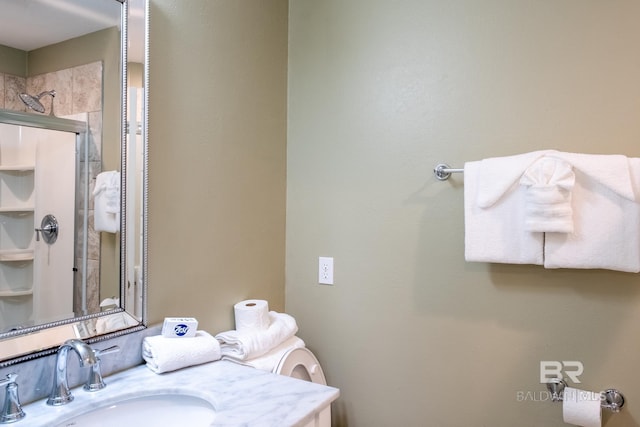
x=179, y=327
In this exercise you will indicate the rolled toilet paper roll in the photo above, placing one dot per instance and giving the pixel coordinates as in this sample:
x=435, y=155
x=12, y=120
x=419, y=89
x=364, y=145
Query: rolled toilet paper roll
x=581, y=407
x=251, y=315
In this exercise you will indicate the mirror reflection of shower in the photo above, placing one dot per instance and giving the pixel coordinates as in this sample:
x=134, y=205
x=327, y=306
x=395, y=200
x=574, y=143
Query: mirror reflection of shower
x=33, y=101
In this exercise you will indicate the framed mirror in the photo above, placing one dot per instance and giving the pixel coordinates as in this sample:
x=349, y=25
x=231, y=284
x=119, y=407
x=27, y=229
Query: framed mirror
x=72, y=197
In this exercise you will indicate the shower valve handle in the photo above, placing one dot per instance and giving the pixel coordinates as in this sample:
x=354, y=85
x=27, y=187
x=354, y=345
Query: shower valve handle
x=48, y=229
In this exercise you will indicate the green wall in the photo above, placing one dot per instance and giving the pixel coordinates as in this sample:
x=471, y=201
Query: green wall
x=13, y=61
x=217, y=157
x=380, y=92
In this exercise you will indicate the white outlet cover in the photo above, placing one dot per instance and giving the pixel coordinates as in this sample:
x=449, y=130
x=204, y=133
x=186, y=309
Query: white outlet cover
x=325, y=270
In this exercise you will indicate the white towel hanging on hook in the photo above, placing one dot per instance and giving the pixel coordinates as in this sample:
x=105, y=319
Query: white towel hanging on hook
x=106, y=209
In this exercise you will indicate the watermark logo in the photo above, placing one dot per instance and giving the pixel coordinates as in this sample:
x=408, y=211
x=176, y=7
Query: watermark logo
x=533, y=396
x=565, y=395
x=554, y=369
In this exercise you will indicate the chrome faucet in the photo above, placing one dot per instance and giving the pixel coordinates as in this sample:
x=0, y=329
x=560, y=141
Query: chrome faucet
x=60, y=394
x=95, y=381
x=12, y=410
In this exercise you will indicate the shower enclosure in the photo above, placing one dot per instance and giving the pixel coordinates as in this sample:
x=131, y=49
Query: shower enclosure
x=38, y=210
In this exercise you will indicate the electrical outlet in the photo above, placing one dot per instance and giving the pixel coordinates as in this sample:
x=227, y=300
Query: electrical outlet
x=325, y=270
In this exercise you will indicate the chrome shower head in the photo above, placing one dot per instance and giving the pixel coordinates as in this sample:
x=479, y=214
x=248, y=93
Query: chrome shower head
x=34, y=103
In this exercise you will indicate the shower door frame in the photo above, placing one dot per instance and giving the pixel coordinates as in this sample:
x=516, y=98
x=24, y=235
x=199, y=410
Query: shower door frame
x=81, y=130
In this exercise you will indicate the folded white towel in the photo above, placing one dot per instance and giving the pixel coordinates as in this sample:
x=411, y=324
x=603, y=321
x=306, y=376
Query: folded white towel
x=606, y=216
x=114, y=322
x=549, y=182
x=106, y=202
x=609, y=170
x=164, y=354
x=494, y=212
x=269, y=361
x=250, y=344
x=498, y=176
x=604, y=200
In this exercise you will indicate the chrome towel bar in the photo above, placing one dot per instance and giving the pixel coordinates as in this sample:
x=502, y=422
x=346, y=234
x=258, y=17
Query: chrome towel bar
x=442, y=171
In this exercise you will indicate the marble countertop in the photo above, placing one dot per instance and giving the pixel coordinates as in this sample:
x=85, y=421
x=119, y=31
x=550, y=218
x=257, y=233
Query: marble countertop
x=241, y=396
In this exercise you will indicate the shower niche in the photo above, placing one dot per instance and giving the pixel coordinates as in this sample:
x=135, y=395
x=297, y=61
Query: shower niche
x=17, y=206
x=35, y=165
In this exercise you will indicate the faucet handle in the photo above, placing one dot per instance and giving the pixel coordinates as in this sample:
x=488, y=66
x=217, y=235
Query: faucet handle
x=95, y=381
x=108, y=350
x=10, y=378
x=12, y=410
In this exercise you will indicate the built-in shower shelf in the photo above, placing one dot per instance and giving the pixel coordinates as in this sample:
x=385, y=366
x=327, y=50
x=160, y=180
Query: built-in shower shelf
x=17, y=168
x=20, y=293
x=16, y=209
x=16, y=255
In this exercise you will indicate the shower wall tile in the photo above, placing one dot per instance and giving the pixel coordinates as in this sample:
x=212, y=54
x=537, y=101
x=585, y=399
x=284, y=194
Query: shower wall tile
x=93, y=237
x=60, y=81
x=95, y=144
x=94, y=169
x=93, y=250
x=81, y=196
x=87, y=87
x=13, y=87
x=93, y=286
x=2, y=90
x=78, y=90
x=93, y=245
x=35, y=85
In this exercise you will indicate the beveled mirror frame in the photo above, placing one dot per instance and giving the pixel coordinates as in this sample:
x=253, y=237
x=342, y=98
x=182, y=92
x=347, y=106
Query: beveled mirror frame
x=30, y=343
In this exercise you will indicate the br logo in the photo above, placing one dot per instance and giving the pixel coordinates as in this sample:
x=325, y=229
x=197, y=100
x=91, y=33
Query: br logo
x=554, y=369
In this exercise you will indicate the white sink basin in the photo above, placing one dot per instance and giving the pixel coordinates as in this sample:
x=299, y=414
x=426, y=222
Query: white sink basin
x=222, y=393
x=154, y=410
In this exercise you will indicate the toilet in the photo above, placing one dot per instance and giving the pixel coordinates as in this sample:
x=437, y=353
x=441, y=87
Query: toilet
x=301, y=363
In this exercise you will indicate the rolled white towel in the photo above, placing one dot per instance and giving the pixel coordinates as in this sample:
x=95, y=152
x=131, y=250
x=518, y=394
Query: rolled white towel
x=549, y=182
x=164, y=354
x=269, y=361
x=250, y=344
